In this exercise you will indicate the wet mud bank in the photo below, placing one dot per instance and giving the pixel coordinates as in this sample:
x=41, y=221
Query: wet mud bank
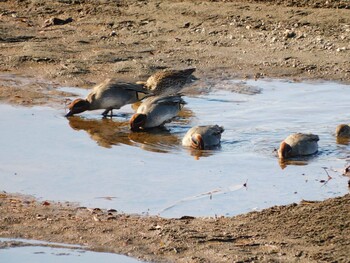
x=307, y=232
x=84, y=42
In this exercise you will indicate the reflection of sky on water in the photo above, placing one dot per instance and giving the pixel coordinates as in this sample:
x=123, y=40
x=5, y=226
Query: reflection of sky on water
x=32, y=251
x=85, y=157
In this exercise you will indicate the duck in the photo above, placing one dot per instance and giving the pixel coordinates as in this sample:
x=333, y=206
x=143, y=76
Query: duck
x=110, y=94
x=168, y=82
x=155, y=111
x=203, y=137
x=298, y=144
x=343, y=130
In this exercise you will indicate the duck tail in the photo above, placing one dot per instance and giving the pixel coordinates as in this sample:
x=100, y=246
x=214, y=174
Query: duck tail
x=188, y=71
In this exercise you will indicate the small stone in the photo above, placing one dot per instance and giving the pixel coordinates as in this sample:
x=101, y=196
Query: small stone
x=45, y=203
x=54, y=21
x=40, y=217
x=289, y=34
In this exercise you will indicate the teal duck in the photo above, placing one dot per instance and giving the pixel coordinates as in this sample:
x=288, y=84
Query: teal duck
x=298, y=144
x=155, y=111
x=110, y=94
x=203, y=137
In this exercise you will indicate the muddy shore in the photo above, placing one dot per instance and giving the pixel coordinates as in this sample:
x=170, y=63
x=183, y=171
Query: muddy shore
x=48, y=44
x=81, y=42
x=308, y=232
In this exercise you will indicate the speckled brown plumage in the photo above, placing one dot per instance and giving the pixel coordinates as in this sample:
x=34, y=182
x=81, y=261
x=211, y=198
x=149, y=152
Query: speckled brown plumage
x=168, y=82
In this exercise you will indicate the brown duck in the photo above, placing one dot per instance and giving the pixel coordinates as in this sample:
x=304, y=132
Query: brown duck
x=155, y=111
x=203, y=137
x=298, y=144
x=110, y=94
x=168, y=82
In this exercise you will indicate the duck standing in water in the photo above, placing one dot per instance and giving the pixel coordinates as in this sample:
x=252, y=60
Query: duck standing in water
x=343, y=130
x=168, y=82
x=110, y=94
x=298, y=144
x=155, y=111
x=203, y=137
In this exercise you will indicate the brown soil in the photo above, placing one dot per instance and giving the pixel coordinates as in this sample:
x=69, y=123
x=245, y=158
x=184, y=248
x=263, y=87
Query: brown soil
x=47, y=44
x=308, y=232
x=82, y=42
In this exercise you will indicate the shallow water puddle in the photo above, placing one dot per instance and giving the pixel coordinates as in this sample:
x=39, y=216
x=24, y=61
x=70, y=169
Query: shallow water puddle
x=38, y=251
x=100, y=163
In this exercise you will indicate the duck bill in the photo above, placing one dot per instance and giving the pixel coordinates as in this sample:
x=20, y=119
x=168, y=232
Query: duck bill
x=69, y=114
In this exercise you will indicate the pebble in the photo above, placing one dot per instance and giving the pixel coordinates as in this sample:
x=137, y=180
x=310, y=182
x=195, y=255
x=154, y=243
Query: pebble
x=289, y=34
x=53, y=21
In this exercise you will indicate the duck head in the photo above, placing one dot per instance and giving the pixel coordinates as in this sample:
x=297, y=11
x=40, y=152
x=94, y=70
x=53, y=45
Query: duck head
x=284, y=151
x=343, y=130
x=137, y=121
x=77, y=106
x=197, y=142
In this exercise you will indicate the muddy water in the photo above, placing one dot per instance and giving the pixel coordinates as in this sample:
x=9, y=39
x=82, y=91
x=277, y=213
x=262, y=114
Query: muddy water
x=36, y=251
x=100, y=163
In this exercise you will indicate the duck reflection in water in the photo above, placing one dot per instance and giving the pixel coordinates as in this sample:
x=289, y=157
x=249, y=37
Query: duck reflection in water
x=343, y=140
x=108, y=132
x=158, y=139
x=197, y=154
x=105, y=132
x=283, y=163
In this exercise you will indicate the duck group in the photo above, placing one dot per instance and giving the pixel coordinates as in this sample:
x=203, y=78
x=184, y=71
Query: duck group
x=161, y=101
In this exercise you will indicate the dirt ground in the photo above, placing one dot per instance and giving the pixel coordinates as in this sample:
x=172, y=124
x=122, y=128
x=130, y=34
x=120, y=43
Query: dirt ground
x=308, y=232
x=47, y=44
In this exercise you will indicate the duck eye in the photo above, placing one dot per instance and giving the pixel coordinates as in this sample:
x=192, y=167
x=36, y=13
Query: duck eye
x=80, y=103
x=194, y=141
